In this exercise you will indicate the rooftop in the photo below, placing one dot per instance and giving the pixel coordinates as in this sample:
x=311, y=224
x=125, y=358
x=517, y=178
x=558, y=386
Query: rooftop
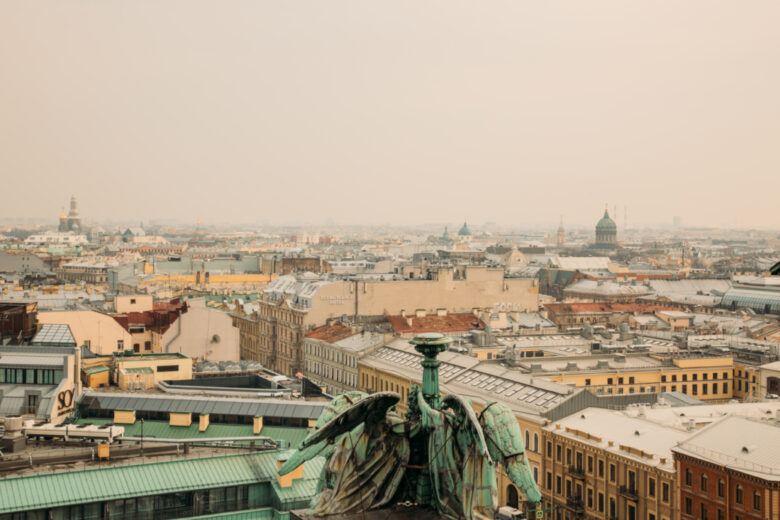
x=449, y=322
x=143, y=402
x=184, y=474
x=54, y=335
x=725, y=443
x=648, y=442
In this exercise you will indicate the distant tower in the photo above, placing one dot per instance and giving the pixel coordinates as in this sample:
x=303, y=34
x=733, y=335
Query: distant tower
x=606, y=231
x=74, y=219
x=63, y=221
x=561, y=234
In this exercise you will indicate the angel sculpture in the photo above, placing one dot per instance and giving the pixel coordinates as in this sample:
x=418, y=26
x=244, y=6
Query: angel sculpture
x=441, y=454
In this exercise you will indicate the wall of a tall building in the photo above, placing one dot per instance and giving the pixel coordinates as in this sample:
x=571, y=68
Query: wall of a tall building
x=204, y=333
x=100, y=331
x=481, y=288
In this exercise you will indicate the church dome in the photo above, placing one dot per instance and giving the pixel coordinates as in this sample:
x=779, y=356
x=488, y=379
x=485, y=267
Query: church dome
x=606, y=223
x=464, y=231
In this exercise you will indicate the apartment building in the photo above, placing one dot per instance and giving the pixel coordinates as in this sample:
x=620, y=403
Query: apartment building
x=730, y=470
x=601, y=464
x=332, y=353
x=290, y=306
x=707, y=378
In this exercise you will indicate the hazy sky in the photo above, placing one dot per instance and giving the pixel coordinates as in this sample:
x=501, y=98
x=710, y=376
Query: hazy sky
x=399, y=111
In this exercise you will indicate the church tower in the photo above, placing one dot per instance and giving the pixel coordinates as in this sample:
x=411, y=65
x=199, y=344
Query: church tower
x=561, y=234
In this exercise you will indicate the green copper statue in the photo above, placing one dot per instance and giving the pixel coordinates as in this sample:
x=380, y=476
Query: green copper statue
x=441, y=454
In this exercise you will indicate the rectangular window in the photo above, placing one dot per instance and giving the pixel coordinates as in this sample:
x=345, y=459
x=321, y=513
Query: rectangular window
x=651, y=487
x=558, y=484
x=688, y=477
x=688, y=505
x=703, y=511
x=549, y=480
x=704, y=483
x=601, y=502
x=721, y=488
x=549, y=449
x=601, y=468
x=590, y=464
x=612, y=473
x=665, y=492
x=168, y=368
x=756, y=500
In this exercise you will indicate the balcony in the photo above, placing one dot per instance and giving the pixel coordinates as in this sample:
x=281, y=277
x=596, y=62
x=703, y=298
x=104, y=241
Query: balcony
x=577, y=472
x=575, y=504
x=630, y=493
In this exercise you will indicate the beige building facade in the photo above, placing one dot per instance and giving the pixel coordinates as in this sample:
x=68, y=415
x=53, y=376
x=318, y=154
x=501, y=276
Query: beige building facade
x=99, y=331
x=290, y=306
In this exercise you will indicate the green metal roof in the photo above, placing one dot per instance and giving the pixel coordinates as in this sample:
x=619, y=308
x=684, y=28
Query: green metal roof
x=606, y=222
x=292, y=435
x=95, y=370
x=161, y=429
x=152, y=478
x=141, y=370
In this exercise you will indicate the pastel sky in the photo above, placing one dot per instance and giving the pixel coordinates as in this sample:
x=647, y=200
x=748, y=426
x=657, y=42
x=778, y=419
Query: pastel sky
x=397, y=111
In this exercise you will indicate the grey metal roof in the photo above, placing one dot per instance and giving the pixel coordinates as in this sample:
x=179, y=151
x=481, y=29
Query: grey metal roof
x=221, y=406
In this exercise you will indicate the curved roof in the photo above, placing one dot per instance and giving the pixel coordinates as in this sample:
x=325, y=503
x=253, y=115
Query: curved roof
x=606, y=223
x=464, y=231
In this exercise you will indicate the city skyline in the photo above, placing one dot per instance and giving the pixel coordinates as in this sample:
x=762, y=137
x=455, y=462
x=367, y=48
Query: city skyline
x=359, y=114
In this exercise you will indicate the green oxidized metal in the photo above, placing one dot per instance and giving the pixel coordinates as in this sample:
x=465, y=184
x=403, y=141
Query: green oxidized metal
x=441, y=454
x=431, y=345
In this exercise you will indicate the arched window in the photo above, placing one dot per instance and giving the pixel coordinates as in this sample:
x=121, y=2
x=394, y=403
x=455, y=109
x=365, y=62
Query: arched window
x=527, y=439
x=739, y=494
x=536, y=442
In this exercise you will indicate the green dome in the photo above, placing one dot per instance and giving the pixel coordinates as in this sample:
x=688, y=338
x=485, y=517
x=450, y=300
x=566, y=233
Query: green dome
x=606, y=223
x=464, y=231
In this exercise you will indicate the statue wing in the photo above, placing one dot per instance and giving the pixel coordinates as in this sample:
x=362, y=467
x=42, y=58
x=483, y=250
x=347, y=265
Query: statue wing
x=334, y=408
x=463, y=409
x=372, y=408
x=505, y=442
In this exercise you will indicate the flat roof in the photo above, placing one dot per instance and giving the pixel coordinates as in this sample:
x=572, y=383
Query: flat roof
x=214, y=405
x=612, y=425
x=727, y=442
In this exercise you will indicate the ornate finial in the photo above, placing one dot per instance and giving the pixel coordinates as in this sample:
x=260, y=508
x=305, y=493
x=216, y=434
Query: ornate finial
x=431, y=345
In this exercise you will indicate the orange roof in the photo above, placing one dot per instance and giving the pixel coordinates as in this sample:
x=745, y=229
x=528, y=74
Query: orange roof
x=574, y=308
x=455, y=322
x=331, y=333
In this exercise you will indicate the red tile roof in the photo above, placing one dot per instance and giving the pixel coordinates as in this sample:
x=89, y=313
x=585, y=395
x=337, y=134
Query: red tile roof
x=331, y=333
x=451, y=322
x=159, y=319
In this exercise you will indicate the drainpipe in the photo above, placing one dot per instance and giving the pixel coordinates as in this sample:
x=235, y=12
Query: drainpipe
x=178, y=332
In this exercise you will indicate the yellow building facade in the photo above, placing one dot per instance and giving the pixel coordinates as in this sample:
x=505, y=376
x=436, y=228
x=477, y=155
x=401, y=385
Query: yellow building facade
x=706, y=379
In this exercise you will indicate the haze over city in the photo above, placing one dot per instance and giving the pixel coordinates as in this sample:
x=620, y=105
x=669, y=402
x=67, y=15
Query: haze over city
x=401, y=113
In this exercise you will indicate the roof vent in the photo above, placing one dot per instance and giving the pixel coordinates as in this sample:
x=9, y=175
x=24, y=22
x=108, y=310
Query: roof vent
x=748, y=449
